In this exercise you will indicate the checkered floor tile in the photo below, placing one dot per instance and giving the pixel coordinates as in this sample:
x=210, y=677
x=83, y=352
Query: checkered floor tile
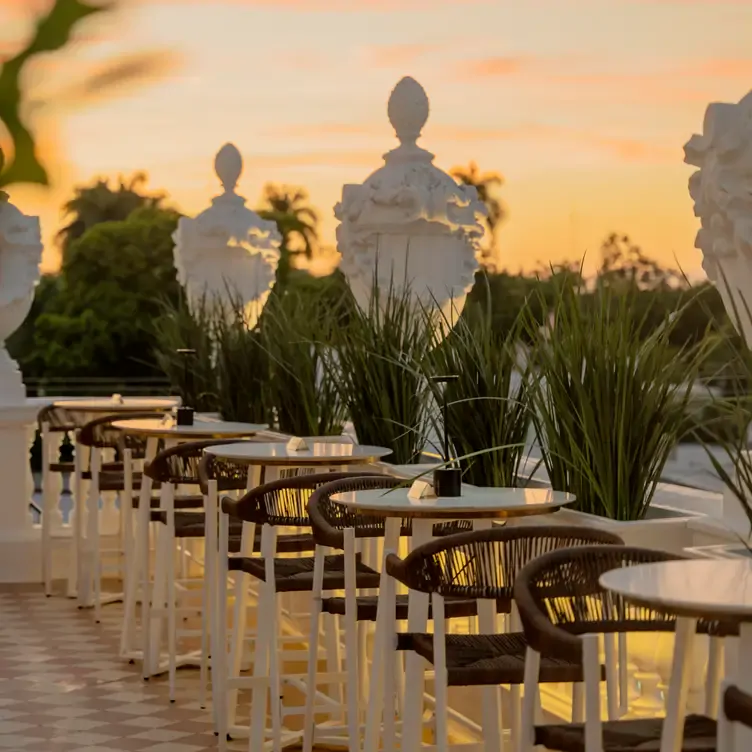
x=63, y=687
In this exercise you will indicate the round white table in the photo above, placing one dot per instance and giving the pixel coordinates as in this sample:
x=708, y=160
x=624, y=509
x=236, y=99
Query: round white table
x=202, y=428
x=106, y=405
x=693, y=590
x=318, y=453
x=482, y=505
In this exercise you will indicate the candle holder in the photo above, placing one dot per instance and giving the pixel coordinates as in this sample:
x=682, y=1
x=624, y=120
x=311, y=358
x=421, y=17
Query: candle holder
x=447, y=480
x=184, y=413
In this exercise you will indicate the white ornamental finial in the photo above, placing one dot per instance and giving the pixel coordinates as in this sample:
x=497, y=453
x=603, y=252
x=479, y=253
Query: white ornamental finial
x=228, y=164
x=408, y=110
x=227, y=255
x=410, y=223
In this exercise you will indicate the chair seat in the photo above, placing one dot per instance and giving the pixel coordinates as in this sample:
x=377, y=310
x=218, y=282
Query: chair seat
x=115, y=481
x=474, y=660
x=181, y=501
x=367, y=607
x=62, y=467
x=637, y=735
x=70, y=467
x=296, y=574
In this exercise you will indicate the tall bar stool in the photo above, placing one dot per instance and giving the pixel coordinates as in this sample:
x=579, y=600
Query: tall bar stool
x=54, y=423
x=480, y=565
x=341, y=528
x=180, y=520
x=99, y=459
x=275, y=507
x=564, y=610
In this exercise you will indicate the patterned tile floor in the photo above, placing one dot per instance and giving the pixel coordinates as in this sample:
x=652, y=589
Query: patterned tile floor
x=63, y=687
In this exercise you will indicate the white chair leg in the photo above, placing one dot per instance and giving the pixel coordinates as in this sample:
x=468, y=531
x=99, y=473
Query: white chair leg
x=592, y=671
x=526, y=734
x=612, y=677
x=389, y=594
x=351, y=643
x=172, y=626
x=440, y=675
x=309, y=721
x=239, y=621
x=47, y=510
x=219, y=633
x=578, y=703
x=673, y=726
x=275, y=687
x=130, y=579
x=713, y=678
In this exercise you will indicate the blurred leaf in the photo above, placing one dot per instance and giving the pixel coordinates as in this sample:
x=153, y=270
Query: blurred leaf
x=52, y=32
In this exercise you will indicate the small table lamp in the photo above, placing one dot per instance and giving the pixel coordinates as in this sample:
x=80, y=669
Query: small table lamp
x=184, y=414
x=447, y=480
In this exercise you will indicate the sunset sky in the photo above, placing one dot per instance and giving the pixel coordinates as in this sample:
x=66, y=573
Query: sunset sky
x=582, y=105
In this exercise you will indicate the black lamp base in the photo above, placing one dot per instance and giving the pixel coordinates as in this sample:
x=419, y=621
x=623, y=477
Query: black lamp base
x=447, y=482
x=184, y=416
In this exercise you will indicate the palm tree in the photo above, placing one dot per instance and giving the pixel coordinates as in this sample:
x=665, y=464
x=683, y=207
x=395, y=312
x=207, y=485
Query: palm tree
x=487, y=184
x=96, y=203
x=296, y=221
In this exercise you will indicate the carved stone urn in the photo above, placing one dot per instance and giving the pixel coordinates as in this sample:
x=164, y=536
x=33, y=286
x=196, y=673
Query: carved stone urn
x=722, y=194
x=410, y=226
x=227, y=256
x=20, y=256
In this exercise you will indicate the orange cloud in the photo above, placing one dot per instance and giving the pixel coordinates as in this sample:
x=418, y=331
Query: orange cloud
x=320, y=158
x=492, y=67
x=626, y=149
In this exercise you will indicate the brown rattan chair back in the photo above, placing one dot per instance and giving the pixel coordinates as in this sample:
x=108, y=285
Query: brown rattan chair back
x=485, y=563
x=230, y=475
x=329, y=519
x=282, y=502
x=100, y=433
x=57, y=419
x=180, y=464
x=560, y=597
x=737, y=705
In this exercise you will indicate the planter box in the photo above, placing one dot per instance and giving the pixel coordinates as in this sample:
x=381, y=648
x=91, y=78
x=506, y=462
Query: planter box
x=734, y=516
x=663, y=529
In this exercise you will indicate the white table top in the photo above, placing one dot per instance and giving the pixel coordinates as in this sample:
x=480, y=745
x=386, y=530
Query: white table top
x=318, y=453
x=125, y=404
x=474, y=503
x=694, y=588
x=201, y=428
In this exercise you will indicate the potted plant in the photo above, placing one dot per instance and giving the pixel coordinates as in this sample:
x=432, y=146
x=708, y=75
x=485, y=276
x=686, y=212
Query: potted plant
x=610, y=398
x=295, y=330
x=377, y=367
x=180, y=328
x=488, y=416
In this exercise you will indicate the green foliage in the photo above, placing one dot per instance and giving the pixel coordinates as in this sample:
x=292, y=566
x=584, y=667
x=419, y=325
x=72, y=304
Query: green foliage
x=295, y=328
x=52, y=32
x=488, y=416
x=242, y=368
x=93, y=204
x=101, y=319
x=610, y=402
x=180, y=328
x=378, y=370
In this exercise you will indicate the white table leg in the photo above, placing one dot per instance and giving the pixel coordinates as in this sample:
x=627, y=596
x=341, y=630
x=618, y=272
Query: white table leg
x=414, y=664
x=381, y=647
x=678, y=689
x=743, y=679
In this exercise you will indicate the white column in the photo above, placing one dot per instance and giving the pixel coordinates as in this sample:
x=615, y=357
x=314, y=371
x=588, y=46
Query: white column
x=20, y=540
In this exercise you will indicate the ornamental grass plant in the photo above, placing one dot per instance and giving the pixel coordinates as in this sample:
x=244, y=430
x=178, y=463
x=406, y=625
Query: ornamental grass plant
x=295, y=332
x=377, y=365
x=489, y=412
x=610, y=397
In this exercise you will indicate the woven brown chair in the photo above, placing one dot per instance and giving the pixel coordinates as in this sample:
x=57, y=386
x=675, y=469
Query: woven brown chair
x=561, y=602
x=482, y=565
x=736, y=708
x=101, y=434
x=278, y=504
x=333, y=524
x=329, y=520
x=284, y=503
